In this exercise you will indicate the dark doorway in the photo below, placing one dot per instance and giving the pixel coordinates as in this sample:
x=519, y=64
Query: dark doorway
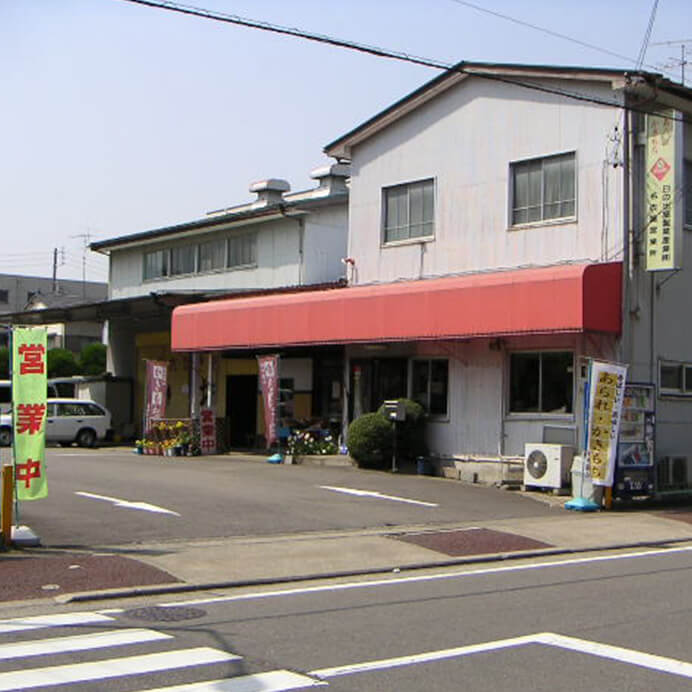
x=241, y=410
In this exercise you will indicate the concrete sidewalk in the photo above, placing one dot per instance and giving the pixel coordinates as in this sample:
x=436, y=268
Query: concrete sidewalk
x=224, y=563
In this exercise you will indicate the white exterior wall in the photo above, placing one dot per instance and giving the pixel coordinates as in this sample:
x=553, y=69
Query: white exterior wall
x=465, y=139
x=278, y=257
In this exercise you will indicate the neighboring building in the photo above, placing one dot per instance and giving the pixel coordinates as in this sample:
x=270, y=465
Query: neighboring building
x=21, y=293
x=281, y=241
x=497, y=240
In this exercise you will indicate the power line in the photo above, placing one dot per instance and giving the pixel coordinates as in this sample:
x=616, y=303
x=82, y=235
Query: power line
x=383, y=52
x=549, y=32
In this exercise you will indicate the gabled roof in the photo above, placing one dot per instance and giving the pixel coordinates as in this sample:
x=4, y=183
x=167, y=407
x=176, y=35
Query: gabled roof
x=516, y=74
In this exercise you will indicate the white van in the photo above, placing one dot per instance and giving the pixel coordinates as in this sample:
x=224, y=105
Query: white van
x=67, y=420
x=6, y=394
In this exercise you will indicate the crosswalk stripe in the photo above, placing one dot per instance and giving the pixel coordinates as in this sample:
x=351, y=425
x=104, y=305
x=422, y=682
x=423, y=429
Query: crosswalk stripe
x=112, y=668
x=41, y=621
x=80, y=642
x=273, y=681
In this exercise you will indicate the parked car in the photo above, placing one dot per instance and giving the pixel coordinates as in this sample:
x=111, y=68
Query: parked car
x=68, y=420
x=6, y=393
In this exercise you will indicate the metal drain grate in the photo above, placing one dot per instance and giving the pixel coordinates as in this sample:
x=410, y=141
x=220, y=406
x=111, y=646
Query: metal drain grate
x=160, y=614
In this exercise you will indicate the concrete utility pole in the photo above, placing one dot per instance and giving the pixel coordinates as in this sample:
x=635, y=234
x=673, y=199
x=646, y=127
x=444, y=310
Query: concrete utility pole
x=682, y=60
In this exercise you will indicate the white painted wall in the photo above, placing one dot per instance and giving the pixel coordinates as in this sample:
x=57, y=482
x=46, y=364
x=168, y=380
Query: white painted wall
x=278, y=257
x=465, y=139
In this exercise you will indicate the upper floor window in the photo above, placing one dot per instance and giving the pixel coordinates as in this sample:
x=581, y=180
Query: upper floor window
x=155, y=264
x=687, y=198
x=182, y=260
x=675, y=378
x=212, y=255
x=543, y=189
x=242, y=250
x=409, y=211
x=541, y=382
x=4, y=295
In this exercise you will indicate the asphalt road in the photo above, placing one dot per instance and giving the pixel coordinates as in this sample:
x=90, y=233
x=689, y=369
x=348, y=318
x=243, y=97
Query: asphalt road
x=610, y=622
x=204, y=497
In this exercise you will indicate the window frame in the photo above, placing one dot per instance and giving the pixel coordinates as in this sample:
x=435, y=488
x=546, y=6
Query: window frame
x=166, y=254
x=543, y=221
x=190, y=248
x=384, y=242
x=223, y=241
x=429, y=361
x=237, y=238
x=539, y=413
x=685, y=390
x=4, y=296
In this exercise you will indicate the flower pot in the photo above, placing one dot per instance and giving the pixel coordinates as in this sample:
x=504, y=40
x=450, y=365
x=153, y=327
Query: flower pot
x=139, y=450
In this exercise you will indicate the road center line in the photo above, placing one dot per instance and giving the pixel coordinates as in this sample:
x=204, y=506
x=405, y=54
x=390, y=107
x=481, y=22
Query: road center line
x=375, y=494
x=127, y=504
x=395, y=581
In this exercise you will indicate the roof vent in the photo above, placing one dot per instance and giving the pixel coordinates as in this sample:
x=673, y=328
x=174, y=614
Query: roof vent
x=269, y=191
x=332, y=178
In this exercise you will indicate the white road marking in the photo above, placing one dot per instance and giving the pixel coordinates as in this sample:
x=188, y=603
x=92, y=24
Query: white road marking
x=81, y=642
x=127, y=504
x=613, y=653
x=395, y=581
x=41, y=621
x=375, y=494
x=112, y=668
x=273, y=681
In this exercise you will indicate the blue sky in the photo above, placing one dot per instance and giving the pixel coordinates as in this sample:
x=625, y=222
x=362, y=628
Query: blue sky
x=119, y=118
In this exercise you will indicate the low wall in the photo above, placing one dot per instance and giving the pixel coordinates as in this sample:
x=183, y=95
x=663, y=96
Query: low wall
x=481, y=470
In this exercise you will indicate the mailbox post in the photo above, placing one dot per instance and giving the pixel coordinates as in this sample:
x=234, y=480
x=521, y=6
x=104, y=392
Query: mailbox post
x=395, y=411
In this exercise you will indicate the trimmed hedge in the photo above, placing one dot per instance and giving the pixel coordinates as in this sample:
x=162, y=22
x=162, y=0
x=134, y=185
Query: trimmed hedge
x=370, y=437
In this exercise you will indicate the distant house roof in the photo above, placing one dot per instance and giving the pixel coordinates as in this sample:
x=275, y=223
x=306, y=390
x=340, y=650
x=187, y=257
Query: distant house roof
x=39, y=301
x=516, y=74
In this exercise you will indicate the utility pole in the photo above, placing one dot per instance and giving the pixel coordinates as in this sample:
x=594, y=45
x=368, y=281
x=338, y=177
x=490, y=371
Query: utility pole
x=682, y=61
x=55, y=270
x=86, y=238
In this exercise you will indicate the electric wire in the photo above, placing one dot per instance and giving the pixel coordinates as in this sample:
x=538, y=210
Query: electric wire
x=461, y=67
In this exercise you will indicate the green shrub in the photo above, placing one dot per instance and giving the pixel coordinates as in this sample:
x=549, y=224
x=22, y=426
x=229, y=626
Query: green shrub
x=61, y=363
x=370, y=441
x=92, y=359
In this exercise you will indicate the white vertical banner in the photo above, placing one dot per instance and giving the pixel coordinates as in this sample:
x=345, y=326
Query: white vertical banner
x=606, y=392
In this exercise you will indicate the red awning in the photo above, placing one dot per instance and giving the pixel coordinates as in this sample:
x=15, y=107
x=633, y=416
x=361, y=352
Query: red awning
x=565, y=298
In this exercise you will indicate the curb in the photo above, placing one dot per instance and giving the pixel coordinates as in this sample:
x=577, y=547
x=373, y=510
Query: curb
x=110, y=594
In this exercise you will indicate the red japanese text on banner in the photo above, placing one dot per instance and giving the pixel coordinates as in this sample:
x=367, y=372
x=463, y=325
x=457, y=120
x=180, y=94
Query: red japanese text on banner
x=29, y=384
x=269, y=382
x=606, y=391
x=155, y=395
x=207, y=431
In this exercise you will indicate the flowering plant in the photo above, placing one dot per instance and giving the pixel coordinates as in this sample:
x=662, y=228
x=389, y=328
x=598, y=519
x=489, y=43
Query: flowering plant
x=304, y=442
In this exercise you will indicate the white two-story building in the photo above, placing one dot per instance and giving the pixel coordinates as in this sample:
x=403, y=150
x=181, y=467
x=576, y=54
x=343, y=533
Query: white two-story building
x=499, y=237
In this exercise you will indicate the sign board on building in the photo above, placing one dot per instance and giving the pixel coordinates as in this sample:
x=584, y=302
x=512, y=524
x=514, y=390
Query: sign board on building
x=269, y=383
x=156, y=389
x=664, y=192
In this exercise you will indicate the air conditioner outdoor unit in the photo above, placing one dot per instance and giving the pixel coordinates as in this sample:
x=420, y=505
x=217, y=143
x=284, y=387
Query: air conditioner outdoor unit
x=547, y=465
x=674, y=473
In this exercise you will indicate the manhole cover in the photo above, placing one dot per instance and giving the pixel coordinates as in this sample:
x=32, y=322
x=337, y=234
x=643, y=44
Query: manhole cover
x=159, y=614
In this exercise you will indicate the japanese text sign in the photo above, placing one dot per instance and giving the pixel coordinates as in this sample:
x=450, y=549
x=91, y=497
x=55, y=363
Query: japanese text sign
x=155, y=395
x=606, y=390
x=663, y=199
x=29, y=385
x=269, y=382
x=207, y=431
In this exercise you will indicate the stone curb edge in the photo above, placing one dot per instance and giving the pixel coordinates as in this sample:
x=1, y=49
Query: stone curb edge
x=132, y=592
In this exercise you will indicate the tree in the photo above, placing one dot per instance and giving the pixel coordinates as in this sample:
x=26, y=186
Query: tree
x=4, y=363
x=92, y=359
x=61, y=363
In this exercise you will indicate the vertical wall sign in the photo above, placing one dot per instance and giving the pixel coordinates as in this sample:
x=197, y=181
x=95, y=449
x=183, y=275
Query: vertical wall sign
x=269, y=382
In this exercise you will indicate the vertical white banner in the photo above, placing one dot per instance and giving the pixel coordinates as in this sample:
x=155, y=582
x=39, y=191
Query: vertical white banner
x=606, y=392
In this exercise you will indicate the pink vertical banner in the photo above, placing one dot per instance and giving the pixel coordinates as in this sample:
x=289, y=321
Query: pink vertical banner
x=155, y=392
x=207, y=431
x=269, y=383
